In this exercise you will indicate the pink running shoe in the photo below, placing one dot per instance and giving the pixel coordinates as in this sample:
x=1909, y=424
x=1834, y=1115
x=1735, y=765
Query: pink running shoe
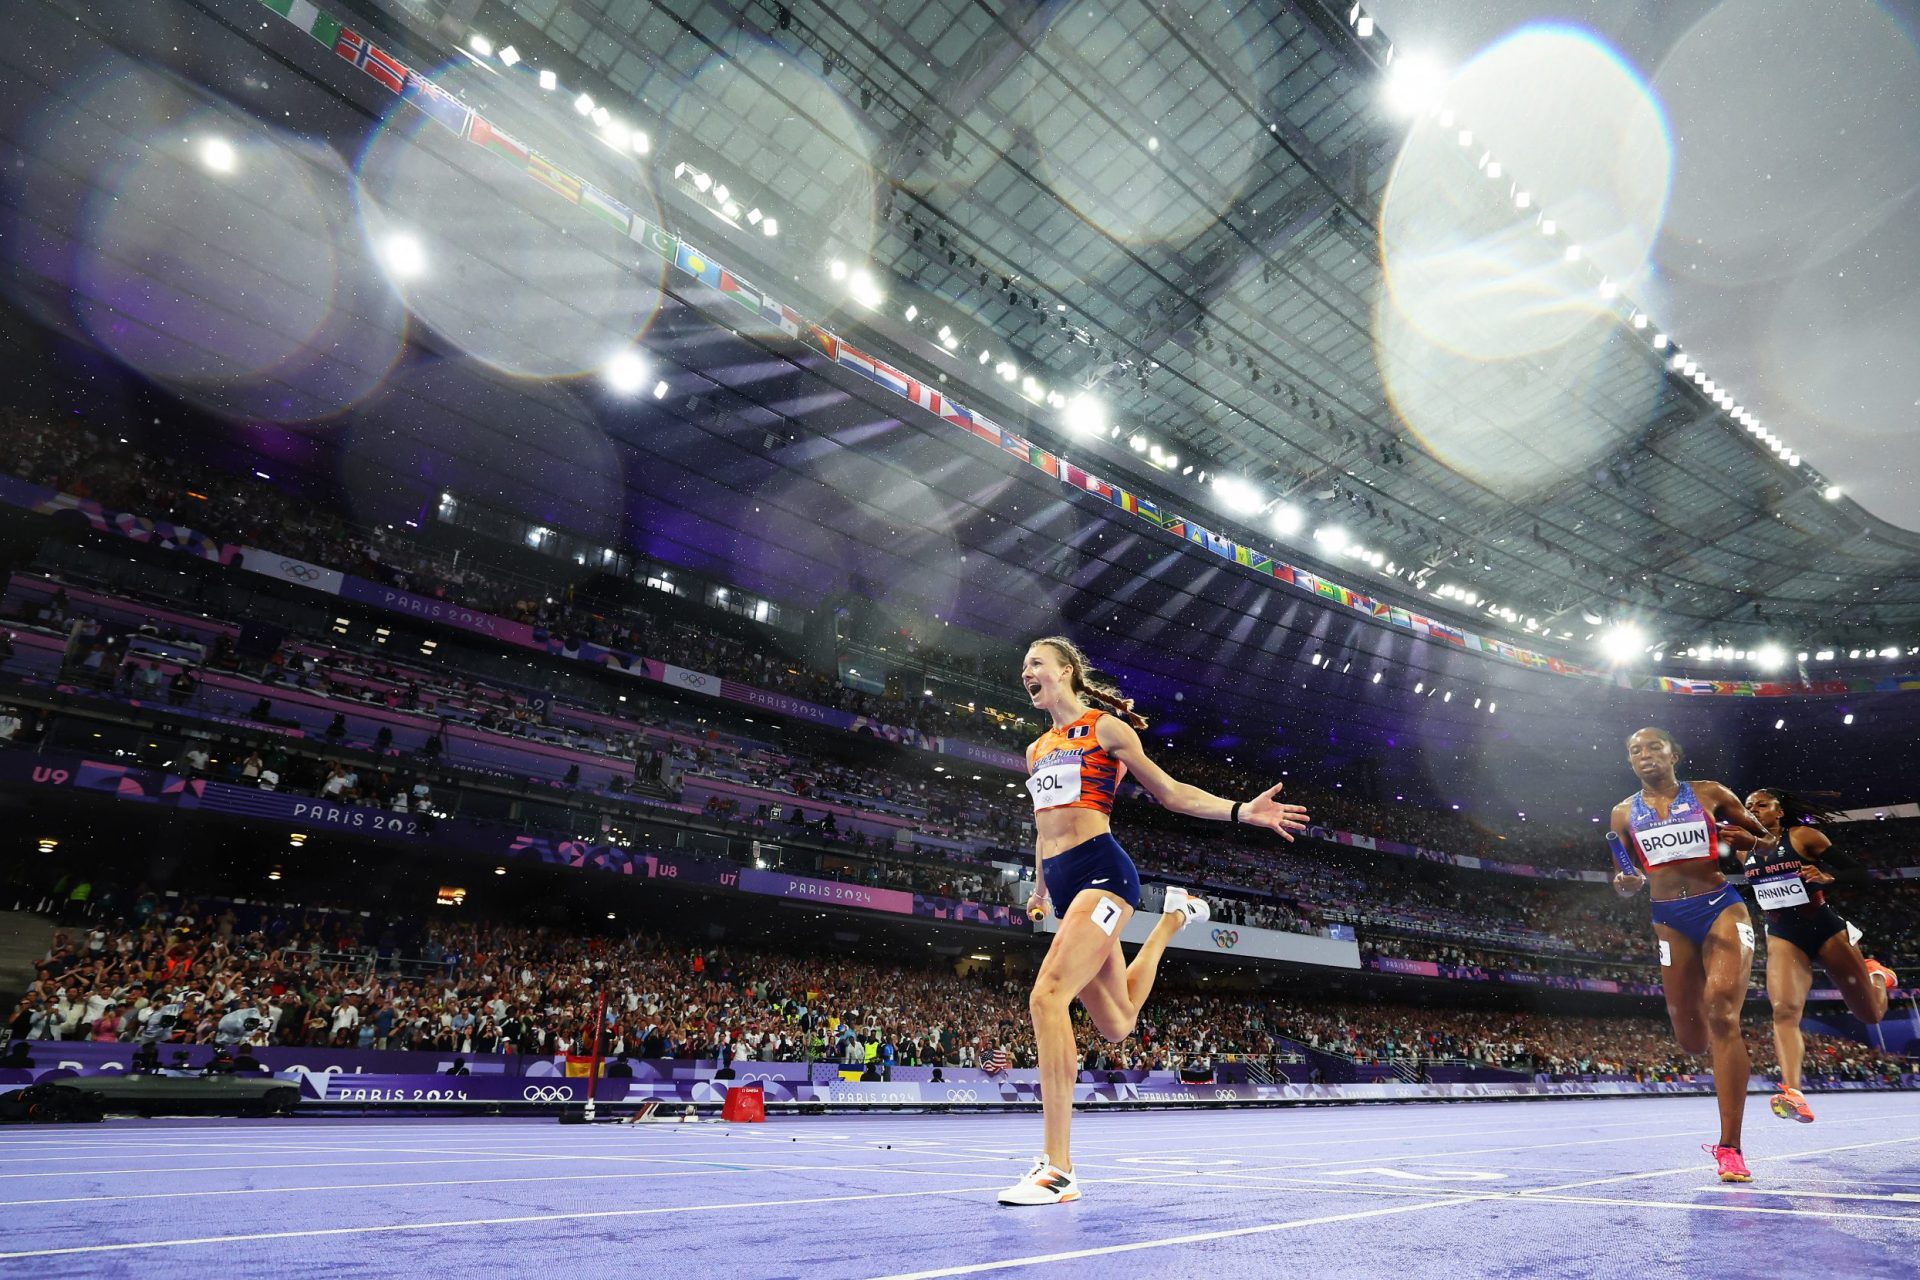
x=1790, y=1104
x=1733, y=1166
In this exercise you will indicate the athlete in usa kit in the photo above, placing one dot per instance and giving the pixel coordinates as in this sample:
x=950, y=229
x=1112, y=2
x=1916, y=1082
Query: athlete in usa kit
x=1074, y=771
x=1788, y=882
x=1705, y=935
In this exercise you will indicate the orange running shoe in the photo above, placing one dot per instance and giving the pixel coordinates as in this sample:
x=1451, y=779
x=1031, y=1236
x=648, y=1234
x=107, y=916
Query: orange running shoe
x=1788, y=1104
x=1887, y=978
x=1732, y=1165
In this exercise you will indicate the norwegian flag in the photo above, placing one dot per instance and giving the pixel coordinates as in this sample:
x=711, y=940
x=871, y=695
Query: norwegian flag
x=362, y=53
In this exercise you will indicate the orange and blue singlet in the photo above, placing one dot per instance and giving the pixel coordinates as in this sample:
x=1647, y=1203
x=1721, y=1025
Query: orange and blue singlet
x=1067, y=768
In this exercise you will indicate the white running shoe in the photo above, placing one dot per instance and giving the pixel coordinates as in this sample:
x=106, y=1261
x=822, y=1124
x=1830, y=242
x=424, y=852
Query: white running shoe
x=1043, y=1184
x=1179, y=900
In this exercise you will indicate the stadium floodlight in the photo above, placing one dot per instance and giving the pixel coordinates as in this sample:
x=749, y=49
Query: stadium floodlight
x=480, y=45
x=625, y=373
x=510, y=56
x=1238, y=496
x=1623, y=642
x=865, y=289
x=1414, y=87
x=549, y=81
x=218, y=155
x=1332, y=537
x=584, y=104
x=1831, y=493
x=770, y=226
x=1288, y=519
x=403, y=256
x=1770, y=657
x=1085, y=415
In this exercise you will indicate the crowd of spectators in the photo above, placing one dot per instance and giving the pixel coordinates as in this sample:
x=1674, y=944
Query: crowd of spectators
x=1397, y=906
x=243, y=509
x=183, y=972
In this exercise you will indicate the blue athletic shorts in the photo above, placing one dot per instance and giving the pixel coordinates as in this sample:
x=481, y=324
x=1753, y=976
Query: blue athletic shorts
x=1694, y=916
x=1099, y=863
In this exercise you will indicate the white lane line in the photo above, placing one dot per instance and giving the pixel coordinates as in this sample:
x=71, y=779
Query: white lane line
x=1691, y=1206
x=579, y=1216
x=1747, y=1189
x=474, y=1182
x=1199, y=1237
x=515, y=1220
x=245, y=1168
x=1696, y=1166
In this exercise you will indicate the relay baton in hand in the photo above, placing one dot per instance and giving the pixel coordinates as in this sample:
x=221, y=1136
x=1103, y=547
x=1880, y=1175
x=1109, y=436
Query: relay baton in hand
x=1621, y=858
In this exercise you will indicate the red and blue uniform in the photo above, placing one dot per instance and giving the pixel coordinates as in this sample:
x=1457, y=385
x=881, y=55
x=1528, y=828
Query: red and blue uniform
x=1686, y=833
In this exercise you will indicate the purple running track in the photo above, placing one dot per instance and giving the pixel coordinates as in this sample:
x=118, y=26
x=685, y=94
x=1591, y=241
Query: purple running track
x=1548, y=1189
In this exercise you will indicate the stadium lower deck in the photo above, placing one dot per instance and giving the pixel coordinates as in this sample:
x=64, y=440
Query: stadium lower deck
x=1574, y=1188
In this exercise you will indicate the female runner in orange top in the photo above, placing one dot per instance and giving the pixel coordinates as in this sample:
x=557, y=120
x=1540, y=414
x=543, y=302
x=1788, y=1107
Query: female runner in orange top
x=1074, y=770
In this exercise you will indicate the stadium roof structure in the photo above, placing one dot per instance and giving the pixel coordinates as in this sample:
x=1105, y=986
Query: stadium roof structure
x=1182, y=210
x=1177, y=216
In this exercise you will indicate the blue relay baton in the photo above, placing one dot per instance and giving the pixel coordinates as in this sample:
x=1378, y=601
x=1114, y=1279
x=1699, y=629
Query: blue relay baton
x=1621, y=858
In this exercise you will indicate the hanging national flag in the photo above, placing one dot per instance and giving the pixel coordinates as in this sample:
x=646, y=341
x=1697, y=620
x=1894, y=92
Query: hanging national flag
x=307, y=17
x=924, y=396
x=739, y=292
x=1246, y=555
x=781, y=314
x=655, y=238
x=698, y=265
x=1040, y=458
x=598, y=202
x=483, y=134
x=437, y=104
x=1331, y=590
x=1212, y=541
x=547, y=174
x=376, y=62
x=1399, y=617
x=890, y=378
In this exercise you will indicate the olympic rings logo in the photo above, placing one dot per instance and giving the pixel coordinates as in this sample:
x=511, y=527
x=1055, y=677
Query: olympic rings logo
x=748, y=1077
x=962, y=1095
x=548, y=1093
x=1226, y=939
x=302, y=572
